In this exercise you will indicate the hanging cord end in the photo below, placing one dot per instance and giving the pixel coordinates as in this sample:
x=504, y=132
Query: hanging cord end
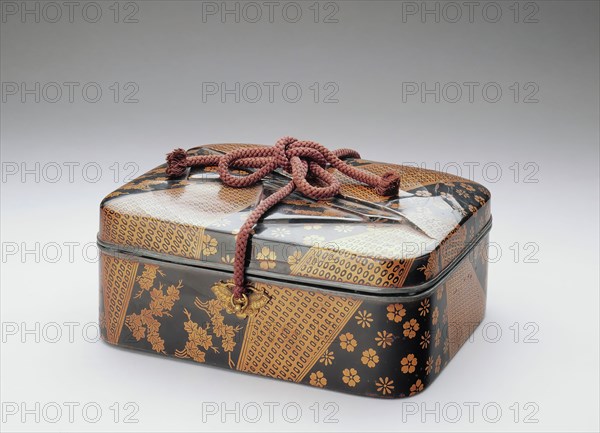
x=389, y=184
x=177, y=163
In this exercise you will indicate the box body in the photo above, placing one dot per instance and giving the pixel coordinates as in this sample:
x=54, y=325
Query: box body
x=363, y=294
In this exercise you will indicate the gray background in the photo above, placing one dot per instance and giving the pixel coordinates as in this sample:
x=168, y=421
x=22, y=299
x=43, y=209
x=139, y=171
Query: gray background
x=539, y=159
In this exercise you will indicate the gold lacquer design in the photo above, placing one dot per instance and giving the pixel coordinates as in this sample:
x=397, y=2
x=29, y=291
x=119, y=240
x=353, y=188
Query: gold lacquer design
x=466, y=305
x=145, y=323
x=198, y=339
x=248, y=305
x=226, y=333
x=410, y=178
x=432, y=268
x=116, y=282
x=453, y=245
x=146, y=280
x=173, y=221
x=349, y=267
x=385, y=385
x=292, y=332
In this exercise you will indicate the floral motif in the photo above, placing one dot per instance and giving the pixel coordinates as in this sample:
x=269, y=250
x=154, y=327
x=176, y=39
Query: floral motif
x=425, y=340
x=410, y=328
x=350, y=377
x=364, y=319
x=440, y=293
x=348, y=342
x=146, y=280
x=423, y=193
x=385, y=385
x=384, y=339
x=144, y=324
x=318, y=379
x=429, y=365
x=294, y=259
x=369, y=358
x=431, y=268
x=209, y=245
x=416, y=387
x=225, y=332
x=228, y=259
x=327, y=358
x=438, y=364
x=408, y=363
x=438, y=337
x=424, y=308
x=462, y=193
x=395, y=312
x=312, y=226
x=266, y=257
x=435, y=315
x=197, y=337
x=343, y=228
x=280, y=232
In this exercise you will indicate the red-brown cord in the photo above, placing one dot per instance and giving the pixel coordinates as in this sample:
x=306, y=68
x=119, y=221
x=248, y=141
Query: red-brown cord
x=306, y=161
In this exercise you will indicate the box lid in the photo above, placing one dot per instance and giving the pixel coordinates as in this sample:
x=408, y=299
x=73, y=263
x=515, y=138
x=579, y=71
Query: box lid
x=357, y=241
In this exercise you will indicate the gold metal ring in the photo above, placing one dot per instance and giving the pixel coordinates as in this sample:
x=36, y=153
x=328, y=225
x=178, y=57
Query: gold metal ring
x=239, y=304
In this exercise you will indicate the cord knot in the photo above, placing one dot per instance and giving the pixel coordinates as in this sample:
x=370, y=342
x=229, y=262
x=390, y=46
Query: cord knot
x=310, y=166
x=389, y=184
x=177, y=163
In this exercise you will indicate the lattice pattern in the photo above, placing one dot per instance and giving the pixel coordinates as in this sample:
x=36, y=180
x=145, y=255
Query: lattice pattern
x=171, y=221
x=466, y=305
x=289, y=334
x=117, y=278
x=453, y=245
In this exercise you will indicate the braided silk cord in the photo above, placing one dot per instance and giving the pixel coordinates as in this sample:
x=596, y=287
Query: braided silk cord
x=306, y=161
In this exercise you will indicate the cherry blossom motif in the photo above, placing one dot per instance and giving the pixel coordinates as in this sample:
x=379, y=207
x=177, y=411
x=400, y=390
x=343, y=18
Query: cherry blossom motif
x=350, y=377
x=416, y=387
x=266, y=257
x=348, y=342
x=369, y=358
x=395, y=312
x=318, y=379
x=410, y=328
x=408, y=363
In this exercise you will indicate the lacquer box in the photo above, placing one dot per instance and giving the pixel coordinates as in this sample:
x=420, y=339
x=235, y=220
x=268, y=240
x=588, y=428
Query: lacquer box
x=360, y=292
